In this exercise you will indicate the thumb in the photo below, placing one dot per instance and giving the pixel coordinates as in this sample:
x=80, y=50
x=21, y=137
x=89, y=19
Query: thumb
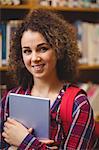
x=30, y=130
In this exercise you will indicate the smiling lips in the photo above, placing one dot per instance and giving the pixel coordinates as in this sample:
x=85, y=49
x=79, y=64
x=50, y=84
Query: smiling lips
x=38, y=68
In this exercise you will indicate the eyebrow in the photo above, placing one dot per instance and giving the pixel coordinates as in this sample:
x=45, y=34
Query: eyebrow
x=42, y=44
x=25, y=47
x=39, y=45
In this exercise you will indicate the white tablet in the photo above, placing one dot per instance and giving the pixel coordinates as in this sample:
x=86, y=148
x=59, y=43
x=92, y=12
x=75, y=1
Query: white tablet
x=33, y=112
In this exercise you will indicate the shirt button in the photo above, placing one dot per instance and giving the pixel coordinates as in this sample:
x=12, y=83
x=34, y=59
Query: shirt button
x=59, y=96
x=62, y=91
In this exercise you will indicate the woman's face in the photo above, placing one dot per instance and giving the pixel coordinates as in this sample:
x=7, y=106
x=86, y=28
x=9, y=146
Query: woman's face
x=39, y=58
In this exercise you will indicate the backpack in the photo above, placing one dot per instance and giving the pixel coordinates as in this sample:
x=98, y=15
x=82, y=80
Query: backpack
x=67, y=107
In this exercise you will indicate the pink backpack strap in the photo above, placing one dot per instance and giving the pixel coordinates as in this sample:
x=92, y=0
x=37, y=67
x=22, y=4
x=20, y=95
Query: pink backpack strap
x=66, y=106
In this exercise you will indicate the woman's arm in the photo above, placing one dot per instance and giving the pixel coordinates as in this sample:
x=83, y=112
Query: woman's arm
x=3, y=143
x=23, y=139
x=14, y=132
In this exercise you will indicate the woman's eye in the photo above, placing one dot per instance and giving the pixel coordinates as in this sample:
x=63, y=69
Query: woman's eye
x=44, y=49
x=27, y=52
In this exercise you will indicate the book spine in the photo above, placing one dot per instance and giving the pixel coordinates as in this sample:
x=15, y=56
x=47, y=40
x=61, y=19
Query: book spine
x=0, y=47
x=3, y=29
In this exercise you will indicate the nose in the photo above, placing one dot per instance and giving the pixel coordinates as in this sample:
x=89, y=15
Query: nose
x=35, y=57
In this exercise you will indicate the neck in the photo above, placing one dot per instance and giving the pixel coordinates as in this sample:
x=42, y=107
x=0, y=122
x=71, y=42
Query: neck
x=45, y=88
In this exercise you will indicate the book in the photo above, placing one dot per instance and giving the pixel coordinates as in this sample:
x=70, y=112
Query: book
x=3, y=32
x=93, y=94
x=92, y=91
x=96, y=43
x=85, y=43
x=10, y=30
x=32, y=112
x=0, y=47
x=90, y=43
x=3, y=89
x=79, y=31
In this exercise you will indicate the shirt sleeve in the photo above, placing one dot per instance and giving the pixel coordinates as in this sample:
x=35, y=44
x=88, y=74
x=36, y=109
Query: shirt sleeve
x=32, y=143
x=3, y=144
x=81, y=131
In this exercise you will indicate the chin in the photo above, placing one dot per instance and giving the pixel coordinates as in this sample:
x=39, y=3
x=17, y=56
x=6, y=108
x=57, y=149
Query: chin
x=38, y=75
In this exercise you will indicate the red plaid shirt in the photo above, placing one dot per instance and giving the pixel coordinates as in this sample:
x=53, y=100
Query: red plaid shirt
x=80, y=136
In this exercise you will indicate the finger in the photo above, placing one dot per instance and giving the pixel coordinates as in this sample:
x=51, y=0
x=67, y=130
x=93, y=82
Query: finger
x=11, y=121
x=7, y=140
x=30, y=130
x=5, y=129
x=4, y=135
x=47, y=141
x=12, y=148
x=7, y=124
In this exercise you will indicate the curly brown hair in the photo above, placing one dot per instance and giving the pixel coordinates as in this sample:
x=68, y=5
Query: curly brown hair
x=61, y=37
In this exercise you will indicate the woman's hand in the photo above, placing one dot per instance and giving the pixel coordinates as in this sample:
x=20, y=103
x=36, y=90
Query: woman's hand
x=12, y=148
x=47, y=141
x=50, y=143
x=14, y=132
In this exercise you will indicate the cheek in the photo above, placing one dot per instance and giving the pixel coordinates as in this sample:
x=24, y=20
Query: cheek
x=26, y=60
x=52, y=61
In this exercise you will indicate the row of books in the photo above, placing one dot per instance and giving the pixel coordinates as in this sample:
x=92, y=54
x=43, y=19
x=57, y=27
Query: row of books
x=6, y=31
x=88, y=42
x=3, y=89
x=71, y=3
x=10, y=2
x=54, y=3
x=87, y=36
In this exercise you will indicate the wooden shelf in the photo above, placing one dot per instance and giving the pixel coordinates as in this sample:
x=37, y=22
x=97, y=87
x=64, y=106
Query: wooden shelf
x=71, y=9
x=61, y=8
x=3, y=68
x=85, y=14
x=24, y=6
x=88, y=67
x=81, y=67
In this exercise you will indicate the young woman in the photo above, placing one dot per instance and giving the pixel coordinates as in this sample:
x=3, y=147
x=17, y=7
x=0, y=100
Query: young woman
x=44, y=58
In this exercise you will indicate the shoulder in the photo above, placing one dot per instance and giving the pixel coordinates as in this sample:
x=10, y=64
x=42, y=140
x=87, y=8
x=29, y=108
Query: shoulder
x=81, y=103
x=79, y=95
x=14, y=90
x=81, y=98
x=4, y=101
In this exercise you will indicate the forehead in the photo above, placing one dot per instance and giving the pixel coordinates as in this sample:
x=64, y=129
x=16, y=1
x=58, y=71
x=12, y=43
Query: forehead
x=32, y=37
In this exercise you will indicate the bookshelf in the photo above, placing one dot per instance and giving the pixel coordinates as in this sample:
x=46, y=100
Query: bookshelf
x=91, y=15
x=4, y=68
x=87, y=14
x=62, y=8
